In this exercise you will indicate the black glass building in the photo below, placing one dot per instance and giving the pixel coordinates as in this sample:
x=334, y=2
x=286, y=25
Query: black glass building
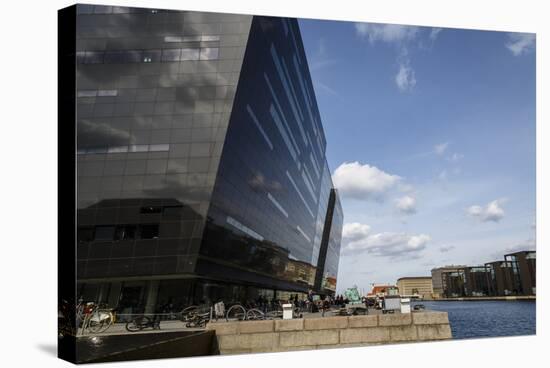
x=200, y=159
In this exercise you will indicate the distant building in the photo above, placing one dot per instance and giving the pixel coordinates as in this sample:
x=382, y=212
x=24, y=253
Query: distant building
x=524, y=270
x=464, y=281
x=500, y=278
x=476, y=281
x=421, y=286
x=437, y=279
x=516, y=275
x=383, y=290
x=453, y=283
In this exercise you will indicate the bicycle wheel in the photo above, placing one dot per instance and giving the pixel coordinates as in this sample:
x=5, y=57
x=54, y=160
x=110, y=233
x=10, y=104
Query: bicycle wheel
x=202, y=322
x=186, y=312
x=95, y=323
x=107, y=319
x=236, y=313
x=255, y=314
x=137, y=324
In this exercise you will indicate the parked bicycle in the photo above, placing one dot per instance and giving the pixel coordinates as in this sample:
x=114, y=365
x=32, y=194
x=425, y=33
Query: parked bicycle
x=236, y=313
x=142, y=322
x=96, y=318
x=198, y=320
x=196, y=316
x=239, y=313
x=188, y=312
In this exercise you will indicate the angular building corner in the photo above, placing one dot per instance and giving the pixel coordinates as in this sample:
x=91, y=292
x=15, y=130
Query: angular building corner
x=200, y=159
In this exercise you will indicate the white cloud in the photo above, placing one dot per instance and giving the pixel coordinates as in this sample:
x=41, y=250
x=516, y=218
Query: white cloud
x=520, y=43
x=475, y=210
x=434, y=33
x=456, y=157
x=400, y=35
x=386, y=244
x=355, y=231
x=386, y=32
x=406, y=205
x=405, y=188
x=362, y=181
x=441, y=148
x=492, y=212
x=405, y=77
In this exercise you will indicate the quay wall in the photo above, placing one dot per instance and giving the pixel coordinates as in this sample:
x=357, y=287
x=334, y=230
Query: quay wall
x=329, y=332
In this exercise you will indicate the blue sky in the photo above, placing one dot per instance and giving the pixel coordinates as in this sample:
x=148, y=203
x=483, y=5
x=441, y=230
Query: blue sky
x=431, y=142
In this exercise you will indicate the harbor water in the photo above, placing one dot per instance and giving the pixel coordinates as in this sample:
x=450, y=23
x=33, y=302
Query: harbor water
x=473, y=319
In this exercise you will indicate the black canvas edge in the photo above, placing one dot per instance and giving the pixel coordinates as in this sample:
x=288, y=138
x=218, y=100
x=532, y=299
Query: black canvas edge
x=66, y=173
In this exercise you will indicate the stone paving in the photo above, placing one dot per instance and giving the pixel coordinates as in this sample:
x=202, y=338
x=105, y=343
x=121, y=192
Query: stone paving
x=177, y=325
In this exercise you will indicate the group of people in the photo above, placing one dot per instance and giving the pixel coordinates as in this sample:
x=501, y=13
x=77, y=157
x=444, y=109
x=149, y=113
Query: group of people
x=340, y=300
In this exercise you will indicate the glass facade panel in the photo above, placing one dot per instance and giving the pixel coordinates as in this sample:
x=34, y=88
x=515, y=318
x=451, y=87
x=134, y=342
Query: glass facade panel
x=265, y=169
x=171, y=55
x=209, y=53
x=190, y=54
x=189, y=171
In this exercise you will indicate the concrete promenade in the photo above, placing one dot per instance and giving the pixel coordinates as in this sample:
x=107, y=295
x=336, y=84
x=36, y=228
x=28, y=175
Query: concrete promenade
x=235, y=337
x=119, y=328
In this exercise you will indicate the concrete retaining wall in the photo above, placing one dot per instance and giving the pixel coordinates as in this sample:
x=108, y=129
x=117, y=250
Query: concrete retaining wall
x=329, y=332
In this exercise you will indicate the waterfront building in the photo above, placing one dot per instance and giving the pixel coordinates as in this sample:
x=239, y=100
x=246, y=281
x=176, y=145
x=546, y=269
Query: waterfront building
x=453, y=283
x=464, y=281
x=476, y=281
x=500, y=278
x=416, y=286
x=438, y=279
x=516, y=275
x=200, y=159
x=383, y=290
x=524, y=272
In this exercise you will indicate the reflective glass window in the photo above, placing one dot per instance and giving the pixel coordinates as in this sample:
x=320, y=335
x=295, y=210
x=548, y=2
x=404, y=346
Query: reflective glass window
x=85, y=234
x=149, y=231
x=94, y=57
x=139, y=148
x=117, y=149
x=104, y=233
x=159, y=147
x=150, y=56
x=189, y=54
x=210, y=38
x=171, y=54
x=209, y=53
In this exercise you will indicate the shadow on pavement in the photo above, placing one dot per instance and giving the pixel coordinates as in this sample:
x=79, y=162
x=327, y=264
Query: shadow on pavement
x=50, y=349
